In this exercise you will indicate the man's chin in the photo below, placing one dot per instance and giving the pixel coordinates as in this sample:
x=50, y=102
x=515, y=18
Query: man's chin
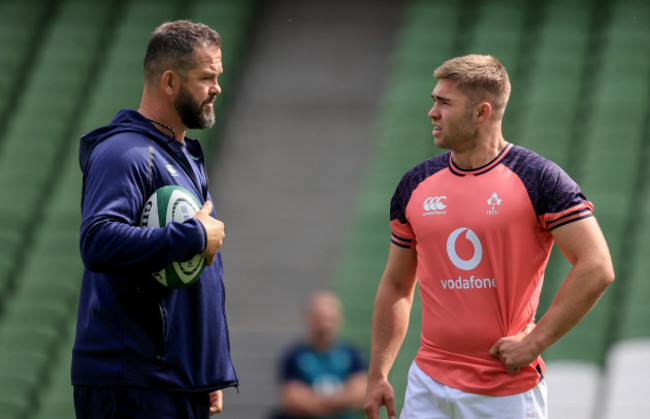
x=209, y=123
x=208, y=118
x=205, y=122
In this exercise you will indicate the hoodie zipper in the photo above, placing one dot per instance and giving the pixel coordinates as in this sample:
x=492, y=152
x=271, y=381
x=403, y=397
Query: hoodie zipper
x=161, y=349
x=182, y=156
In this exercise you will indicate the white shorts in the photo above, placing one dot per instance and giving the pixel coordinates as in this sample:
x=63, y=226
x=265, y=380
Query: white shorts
x=428, y=399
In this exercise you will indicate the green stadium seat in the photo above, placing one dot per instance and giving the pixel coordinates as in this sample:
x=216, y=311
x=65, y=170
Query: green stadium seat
x=610, y=165
x=17, y=337
x=23, y=366
x=22, y=313
x=56, y=398
x=19, y=28
x=39, y=130
x=508, y=16
x=13, y=407
x=20, y=374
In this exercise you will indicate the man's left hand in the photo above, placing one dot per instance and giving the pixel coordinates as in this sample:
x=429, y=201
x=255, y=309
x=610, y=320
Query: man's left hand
x=216, y=402
x=515, y=351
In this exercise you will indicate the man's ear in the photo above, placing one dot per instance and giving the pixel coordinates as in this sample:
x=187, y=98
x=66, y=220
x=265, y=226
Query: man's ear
x=169, y=82
x=483, y=111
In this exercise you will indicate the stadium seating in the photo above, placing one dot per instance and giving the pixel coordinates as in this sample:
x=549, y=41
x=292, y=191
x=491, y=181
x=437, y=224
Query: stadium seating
x=30, y=165
x=403, y=139
x=611, y=160
x=21, y=26
x=550, y=108
x=38, y=133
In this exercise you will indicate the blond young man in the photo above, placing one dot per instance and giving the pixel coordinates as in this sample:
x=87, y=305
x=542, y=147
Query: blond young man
x=475, y=227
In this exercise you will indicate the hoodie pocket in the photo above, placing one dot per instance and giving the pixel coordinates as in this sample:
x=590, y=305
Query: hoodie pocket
x=146, y=314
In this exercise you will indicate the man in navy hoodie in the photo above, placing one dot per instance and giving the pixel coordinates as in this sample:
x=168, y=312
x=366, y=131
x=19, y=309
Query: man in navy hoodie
x=143, y=350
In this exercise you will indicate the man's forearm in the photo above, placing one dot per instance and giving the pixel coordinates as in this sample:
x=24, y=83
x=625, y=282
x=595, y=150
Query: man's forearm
x=582, y=288
x=584, y=246
x=301, y=400
x=389, y=326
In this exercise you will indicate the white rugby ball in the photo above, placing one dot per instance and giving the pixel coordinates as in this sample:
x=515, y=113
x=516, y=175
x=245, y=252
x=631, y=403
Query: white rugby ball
x=167, y=204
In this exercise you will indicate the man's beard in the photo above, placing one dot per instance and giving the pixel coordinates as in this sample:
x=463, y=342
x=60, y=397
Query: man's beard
x=191, y=111
x=458, y=133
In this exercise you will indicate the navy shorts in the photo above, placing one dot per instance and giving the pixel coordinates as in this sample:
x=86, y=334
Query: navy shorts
x=138, y=403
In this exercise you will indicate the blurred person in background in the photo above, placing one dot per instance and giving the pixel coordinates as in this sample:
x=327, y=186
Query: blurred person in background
x=143, y=350
x=322, y=377
x=475, y=227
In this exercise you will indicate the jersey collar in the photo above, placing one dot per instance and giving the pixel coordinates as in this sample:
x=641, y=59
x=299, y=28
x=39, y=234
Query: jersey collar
x=479, y=170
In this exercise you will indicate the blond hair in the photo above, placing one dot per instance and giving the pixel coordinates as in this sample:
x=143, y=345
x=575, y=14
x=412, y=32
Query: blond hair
x=481, y=78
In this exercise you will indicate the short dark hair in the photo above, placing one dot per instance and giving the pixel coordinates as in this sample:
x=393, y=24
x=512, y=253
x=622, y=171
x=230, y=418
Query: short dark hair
x=172, y=46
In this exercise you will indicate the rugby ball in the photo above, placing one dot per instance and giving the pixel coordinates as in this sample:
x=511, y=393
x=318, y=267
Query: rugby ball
x=168, y=204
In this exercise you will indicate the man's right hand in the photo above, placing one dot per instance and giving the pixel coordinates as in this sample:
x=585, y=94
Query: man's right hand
x=379, y=394
x=214, y=230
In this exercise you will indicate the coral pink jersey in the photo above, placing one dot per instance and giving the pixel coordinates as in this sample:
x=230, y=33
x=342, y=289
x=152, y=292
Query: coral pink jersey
x=483, y=238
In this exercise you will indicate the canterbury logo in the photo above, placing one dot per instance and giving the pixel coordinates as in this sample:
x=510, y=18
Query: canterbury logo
x=171, y=170
x=463, y=264
x=434, y=203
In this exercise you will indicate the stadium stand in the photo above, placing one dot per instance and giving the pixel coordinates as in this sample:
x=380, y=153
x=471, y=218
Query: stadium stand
x=44, y=288
x=21, y=27
x=30, y=151
x=562, y=47
x=56, y=399
x=635, y=311
x=22, y=24
x=611, y=162
x=511, y=17
x=403, y=139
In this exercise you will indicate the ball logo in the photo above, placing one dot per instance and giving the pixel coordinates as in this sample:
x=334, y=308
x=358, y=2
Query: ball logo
x=463, y=264
x=146, y=213
x=181, y=209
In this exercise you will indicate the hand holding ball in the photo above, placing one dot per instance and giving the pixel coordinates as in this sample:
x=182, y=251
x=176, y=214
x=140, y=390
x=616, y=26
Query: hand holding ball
x=176, y=204
x=214, y=229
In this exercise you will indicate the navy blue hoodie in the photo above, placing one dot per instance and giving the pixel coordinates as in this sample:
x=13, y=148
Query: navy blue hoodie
x=131, y=330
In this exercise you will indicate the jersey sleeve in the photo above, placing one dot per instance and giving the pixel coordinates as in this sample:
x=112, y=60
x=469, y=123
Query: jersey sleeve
x=556, y=197
x=402, y=233
x=561, y=200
